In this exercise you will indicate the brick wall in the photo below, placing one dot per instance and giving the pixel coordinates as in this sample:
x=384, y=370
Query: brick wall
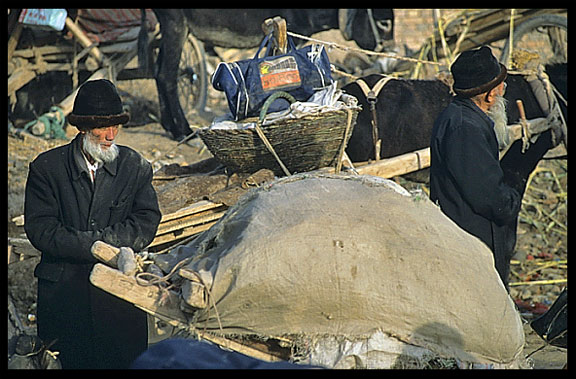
x=412, y=27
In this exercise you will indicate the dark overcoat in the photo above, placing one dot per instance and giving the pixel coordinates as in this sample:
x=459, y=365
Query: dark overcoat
x=64, y=215
x=467, y=181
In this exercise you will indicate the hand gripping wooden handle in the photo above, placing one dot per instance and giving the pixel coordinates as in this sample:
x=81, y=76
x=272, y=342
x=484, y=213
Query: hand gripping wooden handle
x=105, y=253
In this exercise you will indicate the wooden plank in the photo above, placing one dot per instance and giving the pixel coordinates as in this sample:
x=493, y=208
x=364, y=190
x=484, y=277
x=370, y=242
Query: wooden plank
x=187, y=221
x=399, y=165
x=84, y=40
x=186, y=232
x=67, y=50
x=19, y=78
x=13, y=40
x=197, y=207
x=161, y=304
x=44, y=51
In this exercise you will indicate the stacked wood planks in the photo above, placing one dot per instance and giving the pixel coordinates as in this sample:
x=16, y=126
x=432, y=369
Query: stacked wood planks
x=188, y=221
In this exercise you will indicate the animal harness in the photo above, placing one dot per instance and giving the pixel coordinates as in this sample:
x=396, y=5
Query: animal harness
x=372, y=97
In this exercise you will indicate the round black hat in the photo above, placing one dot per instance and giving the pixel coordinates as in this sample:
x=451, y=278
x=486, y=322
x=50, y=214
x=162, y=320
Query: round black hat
x=97, y=104
x=476, y=71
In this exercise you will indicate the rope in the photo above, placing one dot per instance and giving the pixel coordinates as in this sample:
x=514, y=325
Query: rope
x=260, y=132
x=53, y=122
x=344, y=141
x=211, y=298
x=367, y=52
x=270, y=148
x=162, y=283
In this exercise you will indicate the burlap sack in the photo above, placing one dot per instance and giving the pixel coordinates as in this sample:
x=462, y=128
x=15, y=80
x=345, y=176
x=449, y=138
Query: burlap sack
x=352, y=256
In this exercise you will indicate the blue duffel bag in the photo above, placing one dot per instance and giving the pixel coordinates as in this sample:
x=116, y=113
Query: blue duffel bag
x=248, y=83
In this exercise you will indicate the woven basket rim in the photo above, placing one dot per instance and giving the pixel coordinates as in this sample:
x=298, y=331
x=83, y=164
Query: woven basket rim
x=306, y=117
x=243, y=151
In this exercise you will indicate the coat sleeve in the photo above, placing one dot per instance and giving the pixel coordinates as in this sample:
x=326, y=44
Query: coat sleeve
x=138, y=229
x=477, y=172
x=43, y=225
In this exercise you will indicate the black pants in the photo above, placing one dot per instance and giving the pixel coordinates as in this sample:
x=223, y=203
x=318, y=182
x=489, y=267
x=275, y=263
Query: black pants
x=89, y=327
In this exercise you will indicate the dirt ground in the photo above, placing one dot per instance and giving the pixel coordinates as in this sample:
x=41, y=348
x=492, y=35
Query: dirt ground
x=542, y=238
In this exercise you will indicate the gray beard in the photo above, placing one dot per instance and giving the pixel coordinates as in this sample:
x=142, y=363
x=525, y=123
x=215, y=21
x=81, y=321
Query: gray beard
x=96, y=152
x=497, y=113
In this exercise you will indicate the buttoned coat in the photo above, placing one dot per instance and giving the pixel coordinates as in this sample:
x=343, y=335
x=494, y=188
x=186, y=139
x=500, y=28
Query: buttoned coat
x=65, y=213
x=467, y=181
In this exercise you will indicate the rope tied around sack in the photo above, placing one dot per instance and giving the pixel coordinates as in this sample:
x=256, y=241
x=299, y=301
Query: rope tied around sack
x=147, y=279
x=155, y=279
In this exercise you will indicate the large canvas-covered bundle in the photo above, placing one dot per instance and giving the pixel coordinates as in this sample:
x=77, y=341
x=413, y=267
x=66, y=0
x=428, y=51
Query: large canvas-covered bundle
x=357, y=259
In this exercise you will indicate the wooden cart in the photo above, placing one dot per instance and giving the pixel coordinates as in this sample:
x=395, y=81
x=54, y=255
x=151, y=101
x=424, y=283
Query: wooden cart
x=473, y=28
x=72, y=51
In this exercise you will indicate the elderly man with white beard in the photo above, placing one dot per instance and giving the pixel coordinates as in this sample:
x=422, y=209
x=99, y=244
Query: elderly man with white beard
x=85, y=191
x=466, y=179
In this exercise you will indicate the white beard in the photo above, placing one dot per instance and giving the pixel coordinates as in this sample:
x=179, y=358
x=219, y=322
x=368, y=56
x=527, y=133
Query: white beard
x=96, y=152
x=497, y=113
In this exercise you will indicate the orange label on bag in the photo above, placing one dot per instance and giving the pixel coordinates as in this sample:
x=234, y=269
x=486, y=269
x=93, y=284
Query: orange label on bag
x=279, y=73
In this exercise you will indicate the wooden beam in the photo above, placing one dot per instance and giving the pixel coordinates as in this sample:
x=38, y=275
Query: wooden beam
x=390, y=167
x=199, y=206
x=19, y=78
x=163, y=304
x=187, y=221
x=84, y=40
x=399, y=165
x=182, y=233
x=13, y=40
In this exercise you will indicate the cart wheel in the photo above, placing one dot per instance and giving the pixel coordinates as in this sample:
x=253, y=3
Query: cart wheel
x=192, y=77
x=547, y=34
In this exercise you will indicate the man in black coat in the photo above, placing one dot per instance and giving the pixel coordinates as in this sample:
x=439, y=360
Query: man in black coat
x=89, y=190
x=466, y=179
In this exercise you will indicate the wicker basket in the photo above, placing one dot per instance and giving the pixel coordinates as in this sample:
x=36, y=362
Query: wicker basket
x=302, y=144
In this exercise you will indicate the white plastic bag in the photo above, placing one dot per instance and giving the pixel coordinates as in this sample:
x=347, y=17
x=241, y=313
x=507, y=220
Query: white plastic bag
x=48, y=19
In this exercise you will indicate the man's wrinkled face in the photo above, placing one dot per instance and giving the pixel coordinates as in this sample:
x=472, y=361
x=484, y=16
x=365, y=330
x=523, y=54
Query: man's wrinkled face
x=104, y=136
x=99, y=143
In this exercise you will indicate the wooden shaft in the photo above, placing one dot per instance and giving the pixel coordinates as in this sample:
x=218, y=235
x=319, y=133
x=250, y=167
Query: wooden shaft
x=161, y=304
x=280, y=33
x=278, y=25
x=521, y=109
x=84, y=40
x=105, y=253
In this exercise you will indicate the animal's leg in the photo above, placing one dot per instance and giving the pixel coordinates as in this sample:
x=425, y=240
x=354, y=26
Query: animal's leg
x=174, y=31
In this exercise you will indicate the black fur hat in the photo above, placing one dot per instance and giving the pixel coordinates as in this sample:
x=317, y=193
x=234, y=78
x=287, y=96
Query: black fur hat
x=477, y=71
x=97, y=105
